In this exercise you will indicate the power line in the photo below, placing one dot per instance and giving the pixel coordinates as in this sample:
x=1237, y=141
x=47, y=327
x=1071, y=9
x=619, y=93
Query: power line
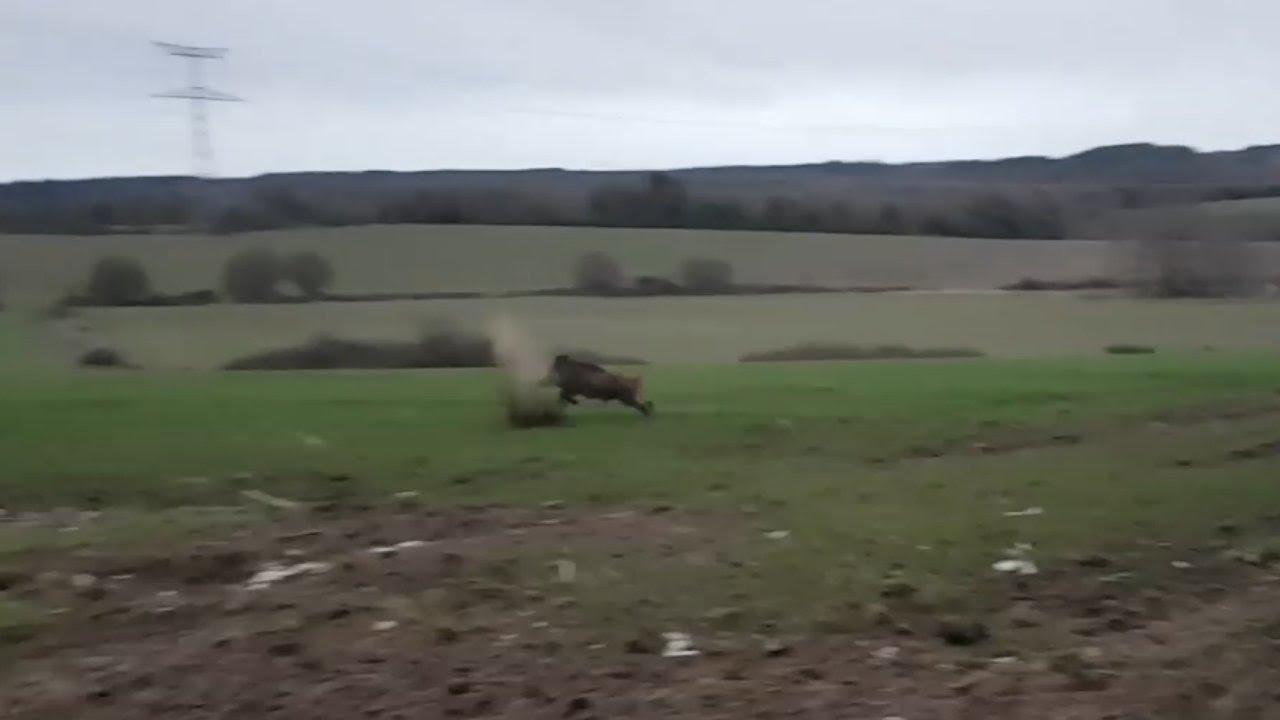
x=197, y=94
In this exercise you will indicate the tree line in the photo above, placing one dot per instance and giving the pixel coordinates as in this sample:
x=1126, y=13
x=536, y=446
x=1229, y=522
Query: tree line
x=660, y=201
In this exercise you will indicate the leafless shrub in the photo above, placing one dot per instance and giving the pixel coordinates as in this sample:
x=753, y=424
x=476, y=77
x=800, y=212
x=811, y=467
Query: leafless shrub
x=253, y=275
x=598, y=272
x=1183, y=254
x=117, y=280
x=311, y=272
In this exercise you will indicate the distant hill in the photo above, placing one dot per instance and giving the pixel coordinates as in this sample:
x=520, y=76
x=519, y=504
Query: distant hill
x=557, y=196
x=1133, y=164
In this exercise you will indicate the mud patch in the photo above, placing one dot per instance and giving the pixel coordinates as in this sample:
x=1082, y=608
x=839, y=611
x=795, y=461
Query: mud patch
x=470, y=612
x=1002, y=440
x=1257, y=451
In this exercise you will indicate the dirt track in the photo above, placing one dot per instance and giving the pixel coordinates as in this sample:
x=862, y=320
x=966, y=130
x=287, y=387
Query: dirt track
x=449, y=626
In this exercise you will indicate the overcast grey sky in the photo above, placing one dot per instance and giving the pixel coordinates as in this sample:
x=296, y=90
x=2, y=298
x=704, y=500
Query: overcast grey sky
x=418, y=84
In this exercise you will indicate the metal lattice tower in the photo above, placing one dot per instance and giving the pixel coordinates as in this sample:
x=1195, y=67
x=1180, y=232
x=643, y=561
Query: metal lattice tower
x=198, y=95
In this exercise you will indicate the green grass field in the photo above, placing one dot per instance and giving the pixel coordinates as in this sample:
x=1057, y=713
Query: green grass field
x=867, y=465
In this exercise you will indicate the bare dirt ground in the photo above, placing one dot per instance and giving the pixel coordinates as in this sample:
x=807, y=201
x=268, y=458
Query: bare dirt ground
x=398, y=611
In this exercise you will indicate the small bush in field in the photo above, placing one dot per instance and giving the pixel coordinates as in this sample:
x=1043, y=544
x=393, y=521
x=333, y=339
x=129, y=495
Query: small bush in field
x=311, y=272
x=253, y=275
x=598, y=272
x=117, y=280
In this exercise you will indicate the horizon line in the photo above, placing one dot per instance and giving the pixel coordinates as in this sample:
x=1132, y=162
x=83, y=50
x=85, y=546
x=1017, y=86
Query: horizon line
x=679, y=169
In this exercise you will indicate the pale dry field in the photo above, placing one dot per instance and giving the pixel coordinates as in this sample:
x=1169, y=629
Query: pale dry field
x=697, y=330
x=449, y=258
x=34, y=270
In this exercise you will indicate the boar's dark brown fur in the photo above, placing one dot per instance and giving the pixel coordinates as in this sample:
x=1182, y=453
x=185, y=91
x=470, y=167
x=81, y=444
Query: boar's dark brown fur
x=579, y=378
